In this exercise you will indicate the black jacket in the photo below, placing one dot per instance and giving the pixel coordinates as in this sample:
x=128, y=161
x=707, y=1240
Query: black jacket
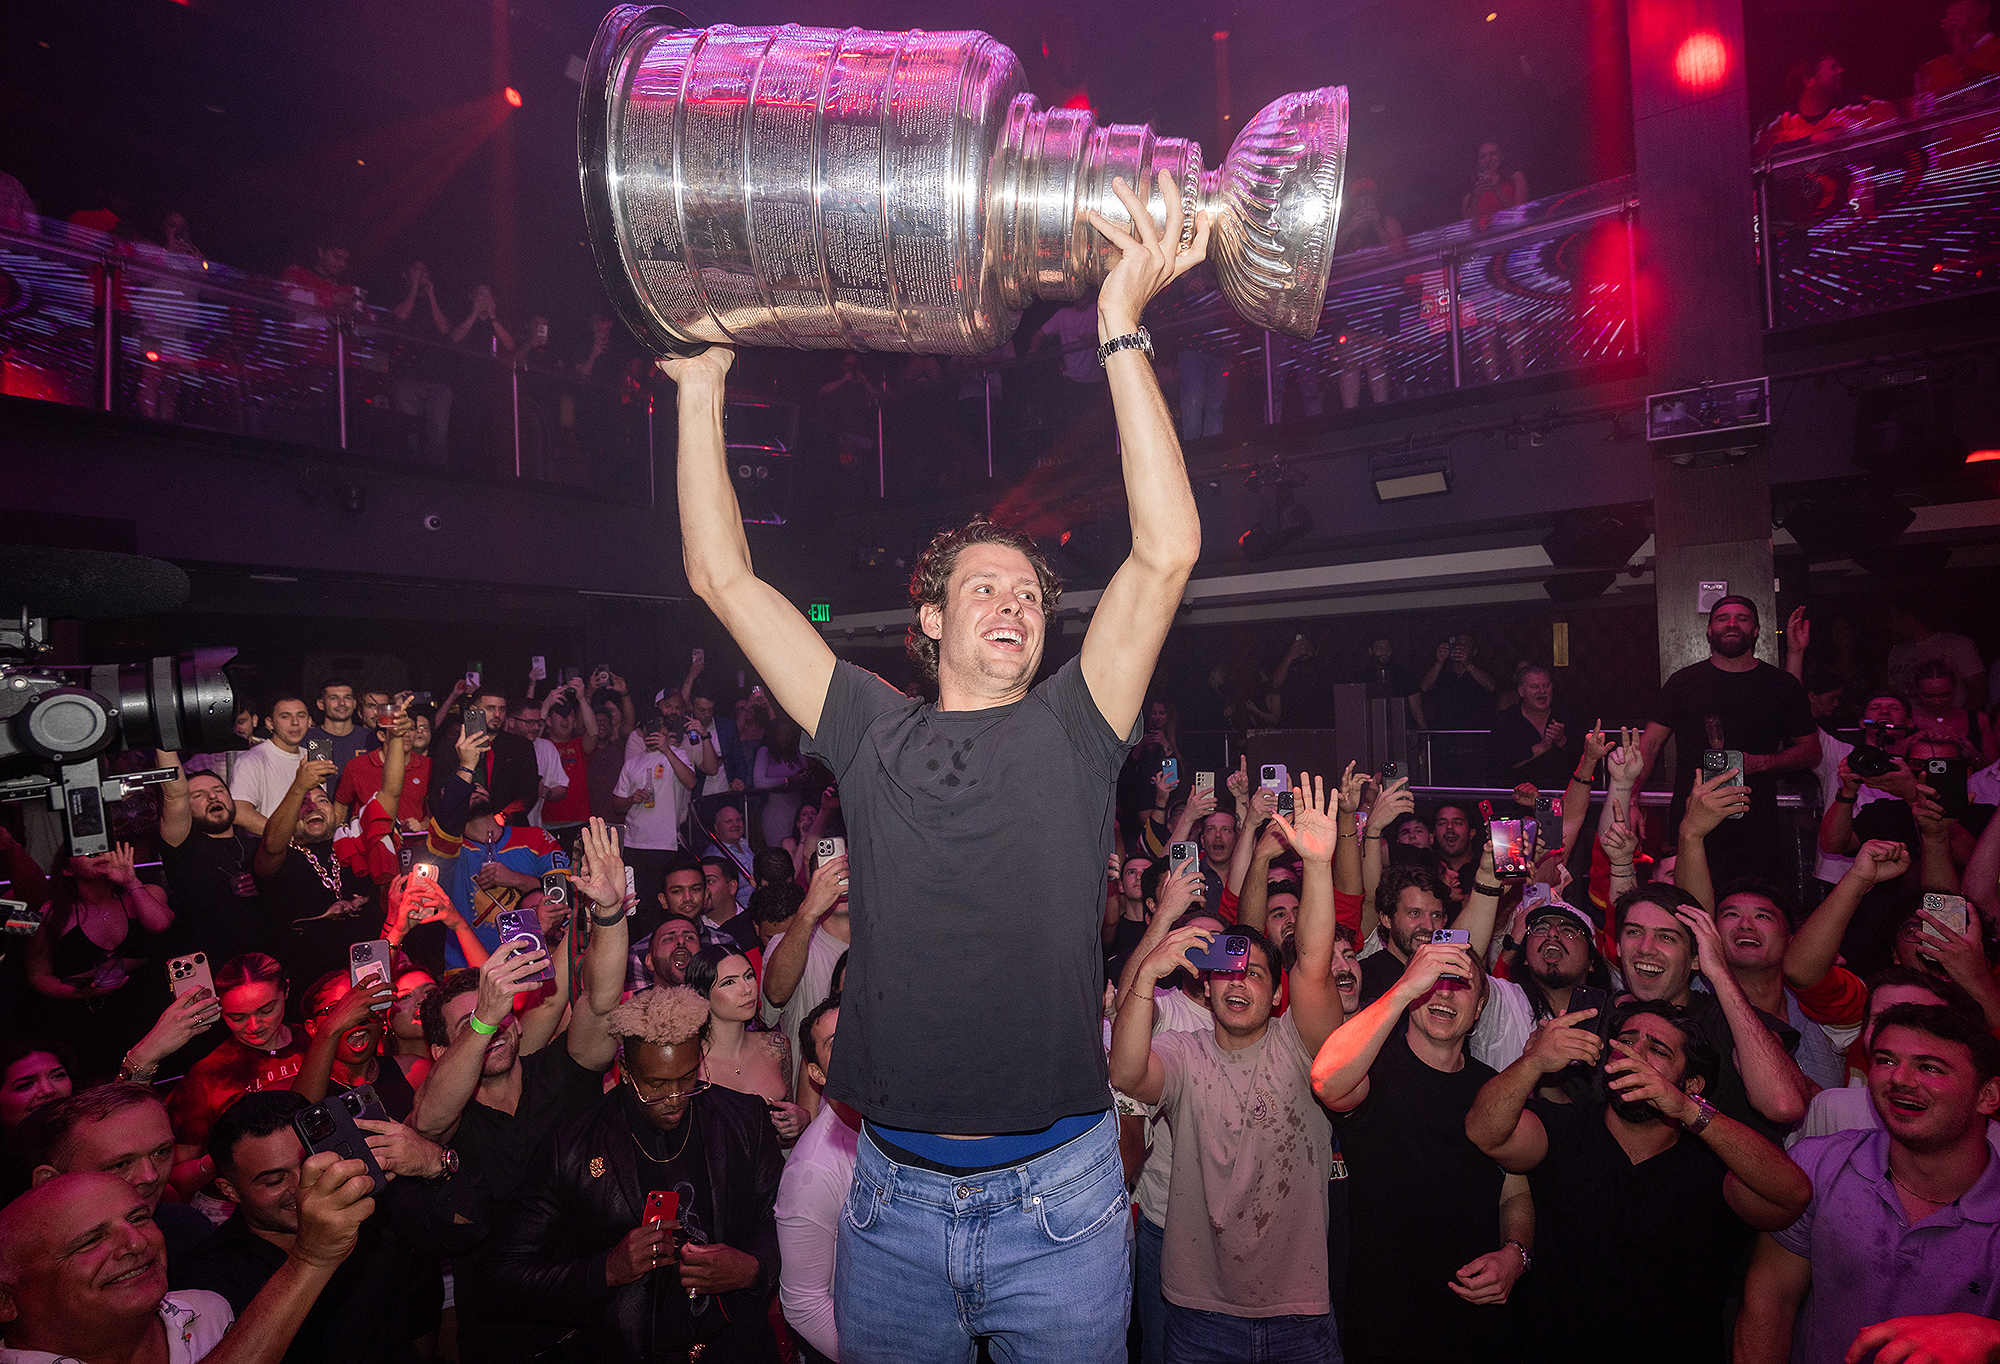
x=545, y=1262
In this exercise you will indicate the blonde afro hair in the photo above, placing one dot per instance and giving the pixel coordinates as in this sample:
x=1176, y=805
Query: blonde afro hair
x=665, y=1015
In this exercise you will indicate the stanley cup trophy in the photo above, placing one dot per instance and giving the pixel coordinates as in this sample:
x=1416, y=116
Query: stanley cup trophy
x=822, y=188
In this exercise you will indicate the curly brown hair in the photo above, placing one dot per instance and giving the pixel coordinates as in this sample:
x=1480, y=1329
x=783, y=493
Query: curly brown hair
x=932, y=576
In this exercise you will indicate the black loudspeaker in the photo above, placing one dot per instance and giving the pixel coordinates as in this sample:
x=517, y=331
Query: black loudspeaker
x=1858, y=516
x=1595, y=538
x=1905, y=431
x=761, y=437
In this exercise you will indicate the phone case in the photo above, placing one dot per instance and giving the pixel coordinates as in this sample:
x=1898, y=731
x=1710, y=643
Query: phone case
x=1172, y=768
x=662, y=1205
x=330, y=1126
x=189, y=973
x=367, y=963
x=1217, y=956
x=363, y=1103
x=513, y=924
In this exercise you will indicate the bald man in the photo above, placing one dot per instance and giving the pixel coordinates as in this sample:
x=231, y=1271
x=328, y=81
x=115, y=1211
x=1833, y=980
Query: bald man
x=83, y=1274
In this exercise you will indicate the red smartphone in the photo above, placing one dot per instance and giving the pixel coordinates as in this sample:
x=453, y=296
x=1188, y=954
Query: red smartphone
x=662, y=1205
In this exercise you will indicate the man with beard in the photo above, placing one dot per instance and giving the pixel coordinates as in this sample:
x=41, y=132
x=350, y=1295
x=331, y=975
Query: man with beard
x=83, y=1274
x=1560, y=971
x=1663, y=934
x=669, y=951
x=1427, y=1210
x=504, y=768
x=496, y=1104
x=371, y=1309
x=207, y=859
x=1905, y=1219
x=1243, y=1264
x=1455, y=838
x=1733, y=700
x=1648, y=1194
x=319, y=878
x=577, y=1246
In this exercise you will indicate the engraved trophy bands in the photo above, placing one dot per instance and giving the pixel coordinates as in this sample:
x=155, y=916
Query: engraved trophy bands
x=846, y=189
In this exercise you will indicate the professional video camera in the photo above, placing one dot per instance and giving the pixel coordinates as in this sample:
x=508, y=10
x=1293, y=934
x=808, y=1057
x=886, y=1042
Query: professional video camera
x=56, y=721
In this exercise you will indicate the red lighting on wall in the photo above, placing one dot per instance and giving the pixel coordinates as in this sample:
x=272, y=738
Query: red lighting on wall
x=1982, y=456
x=1702, y=61
x=512, y=96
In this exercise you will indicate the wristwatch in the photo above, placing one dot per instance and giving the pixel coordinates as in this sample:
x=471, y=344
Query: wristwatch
x=1527, y=1256
x=617, y=913
x=1704, y=1115
x=1138, y=340
x=447, y=1162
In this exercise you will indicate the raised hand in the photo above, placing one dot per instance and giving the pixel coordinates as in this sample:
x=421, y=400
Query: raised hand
x=1171, y=955
x=827, y=887
x=1798, y=631
x=1239, y=781
x=335, y=1198
x=1631, y=1076
x=1620, y=843
x=1707, y=940
x=1352, y=784
x=399, y=1151
x=1392, y=802
x=1712, y=800
x=1148, y=259
x=1623, y=764
x=1561, y=1041
x=1595, y=745
x=1881, y=859
x=1311, y=830
x=121, y=866
x=601, y=877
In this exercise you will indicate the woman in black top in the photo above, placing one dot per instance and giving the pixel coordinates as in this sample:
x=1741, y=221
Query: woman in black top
x=93, y=945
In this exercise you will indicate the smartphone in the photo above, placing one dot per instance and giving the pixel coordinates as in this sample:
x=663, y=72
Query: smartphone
x=191, y=973
x=362, y=1102
x=1715, y=761
x=318, y=750
x=1548, y=807
x=1182, y=854
x=1535, y=896
x=368, y=964
x=1391, y=771
x=475, y=720
x=1460, y=937
x=662, y=1205
x=829, y=848
x=405, y=859
x=427, y=870
x=1950, y=908
x=515, y=925
x=1946, y=776
x=538, y=668
x=1285, y=805
x=555, y=888
x=1172, y=767
x=631, y=891
x=1204, y=781
x=18, y=921
x=1229, y=952
x=330, y=1126
x=1510, y=852
x=1273, y=777
x=600, y=675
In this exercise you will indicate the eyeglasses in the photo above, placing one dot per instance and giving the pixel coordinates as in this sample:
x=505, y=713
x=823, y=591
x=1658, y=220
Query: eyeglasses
x=678, y=1087
x=1562, y=930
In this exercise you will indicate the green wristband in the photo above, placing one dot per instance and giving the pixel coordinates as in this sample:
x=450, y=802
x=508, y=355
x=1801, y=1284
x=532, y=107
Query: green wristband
x=483, y=1029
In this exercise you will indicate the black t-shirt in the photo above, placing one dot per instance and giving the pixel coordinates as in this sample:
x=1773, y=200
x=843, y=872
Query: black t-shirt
x=315, y=922
x=497, y=1146
x=1869, y=944
x=1379, y=973
x=203, y=875
x=1457, y=701
x=1391, y=679
x=1609, y=1234
x=976, y=844
x=674, y=1161
x=344, y=748
x=1761, y=711
x=1307, y=696
x=1423, y=1202
x=1514, y=740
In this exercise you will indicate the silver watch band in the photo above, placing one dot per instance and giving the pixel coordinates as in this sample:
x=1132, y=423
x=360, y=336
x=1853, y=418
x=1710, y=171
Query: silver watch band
x=1138, y=340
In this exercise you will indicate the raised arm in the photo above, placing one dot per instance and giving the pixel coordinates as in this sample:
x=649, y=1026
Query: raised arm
x=334, y=1200
x=1710, y=801
x=1813, y=948
x=782, y=646
x=600, y=886
x=1135, y=1071
x=1131, y=620
x=1772, y=1080
x=176, y=819
x=1314, y=830
x=284, y=821
x=1340, y=1070
x=785, y=967
x=454, y=1079
x=1981, y=882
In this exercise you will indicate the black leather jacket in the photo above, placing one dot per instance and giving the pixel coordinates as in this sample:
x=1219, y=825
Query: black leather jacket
x=545, y=1261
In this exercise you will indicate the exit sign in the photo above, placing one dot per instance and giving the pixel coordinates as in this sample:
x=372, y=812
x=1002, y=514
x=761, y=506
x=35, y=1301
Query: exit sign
x=820, y=612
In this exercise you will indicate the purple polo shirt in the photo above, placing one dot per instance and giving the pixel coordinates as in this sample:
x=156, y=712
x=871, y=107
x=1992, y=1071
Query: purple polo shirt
x=1868, y=1263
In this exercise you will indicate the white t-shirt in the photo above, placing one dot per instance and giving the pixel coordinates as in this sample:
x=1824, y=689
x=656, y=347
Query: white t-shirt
x=1961, y=653
x=811, y=1193
x=815, y=984
x=1852, y=1110
x=264, y=774
x=1073, y=326
x=1173, y=1011
x=196, y=1321
x=1984, y=785
x=657, y=828
x=549, y=772
x=1830, y=867
x=1505, y=1025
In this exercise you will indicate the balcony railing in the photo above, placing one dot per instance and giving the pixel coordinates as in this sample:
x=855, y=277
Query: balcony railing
x=1898, y=211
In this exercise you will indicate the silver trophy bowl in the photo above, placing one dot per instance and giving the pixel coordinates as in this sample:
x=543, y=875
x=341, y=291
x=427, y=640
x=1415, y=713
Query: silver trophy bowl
x=822, y=188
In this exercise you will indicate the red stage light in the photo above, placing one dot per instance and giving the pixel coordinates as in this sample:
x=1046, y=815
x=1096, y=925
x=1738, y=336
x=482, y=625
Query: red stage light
x=1982, y=456
x=1701, y=61
x=512, y=96
x=153, y=355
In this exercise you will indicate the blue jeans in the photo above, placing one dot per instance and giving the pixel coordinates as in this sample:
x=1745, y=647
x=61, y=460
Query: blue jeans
x=1147, y=1302
x=1196, y=1337
x=1032, y=1258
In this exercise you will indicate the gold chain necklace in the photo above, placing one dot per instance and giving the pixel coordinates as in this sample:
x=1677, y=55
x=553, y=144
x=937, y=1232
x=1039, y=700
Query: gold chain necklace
x=687, y=1130
x=1895, y=1179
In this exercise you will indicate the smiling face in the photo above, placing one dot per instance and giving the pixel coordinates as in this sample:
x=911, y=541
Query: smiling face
x=262, y=1178
x=1453, y=831
x=316, y=817
x=501, y=1052
x=1347, y=974
x=729, y=825
x=989, y=629
x=1241, y=1000
x=686, y=892
x=1449, y=1010
x=135, y=1144
x=254, y=1013
x=1754, y=931
x=1418, y=915
x=1732, y=630
x=81, y=1248
x=337, y=703
x=36, y=1079
x=1557, y=952
x=1926, y=1089
x=1657, y=950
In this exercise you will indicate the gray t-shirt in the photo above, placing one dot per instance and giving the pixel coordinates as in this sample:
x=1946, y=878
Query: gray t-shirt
x=976, y=843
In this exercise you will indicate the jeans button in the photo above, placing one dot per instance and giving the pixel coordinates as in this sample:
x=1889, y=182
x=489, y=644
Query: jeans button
x=962, y=1191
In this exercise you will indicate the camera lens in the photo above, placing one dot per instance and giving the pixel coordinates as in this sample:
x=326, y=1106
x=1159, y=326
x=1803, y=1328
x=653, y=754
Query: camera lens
x=183, y=704
x=317, y=1124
